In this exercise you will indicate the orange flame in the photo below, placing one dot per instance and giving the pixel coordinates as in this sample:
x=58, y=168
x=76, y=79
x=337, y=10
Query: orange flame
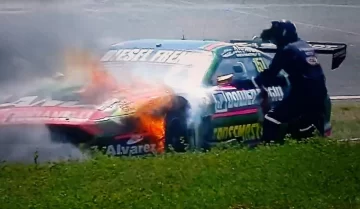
x=79, y=65
x=152, y=119
x=82, y=68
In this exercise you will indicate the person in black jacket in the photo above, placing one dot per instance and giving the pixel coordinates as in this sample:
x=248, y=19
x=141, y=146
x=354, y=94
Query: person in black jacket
x=308, y=87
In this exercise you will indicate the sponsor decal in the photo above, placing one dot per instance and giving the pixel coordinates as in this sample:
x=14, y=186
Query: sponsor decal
x=309, y=50
x=119, y=149
x=38, y=115
x=246, y=44
x=312, y=60
x=148, y=55
x=324, y=46
x=135, y=139
x=109, y=106
x=116, y=107
x=131, y=147
x=231, y=99
x=245, y=132
x=270, y=45
x=31, y=101
x=259, y=64
x=238, y=51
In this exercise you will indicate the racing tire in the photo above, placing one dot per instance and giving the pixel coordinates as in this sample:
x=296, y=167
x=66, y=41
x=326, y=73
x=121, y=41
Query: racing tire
x=177, y=135
x=181, y=136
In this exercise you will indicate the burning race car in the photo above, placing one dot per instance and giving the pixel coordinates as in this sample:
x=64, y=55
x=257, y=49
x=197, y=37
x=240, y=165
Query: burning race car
x=145, y=96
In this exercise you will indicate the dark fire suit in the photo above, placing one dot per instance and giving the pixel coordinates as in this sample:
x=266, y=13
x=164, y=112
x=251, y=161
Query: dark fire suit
x=308, y=89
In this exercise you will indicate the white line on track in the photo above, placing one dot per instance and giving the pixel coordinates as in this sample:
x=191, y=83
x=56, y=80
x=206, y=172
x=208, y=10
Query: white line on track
x=314, y=5
x=344, y=97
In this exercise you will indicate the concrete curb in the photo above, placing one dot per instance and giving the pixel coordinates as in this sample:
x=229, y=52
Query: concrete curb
x=349, y=140
x=345, y=97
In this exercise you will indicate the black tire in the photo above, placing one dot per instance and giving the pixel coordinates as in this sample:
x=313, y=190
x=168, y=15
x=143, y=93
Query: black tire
x=180, y=135
x=177, y=134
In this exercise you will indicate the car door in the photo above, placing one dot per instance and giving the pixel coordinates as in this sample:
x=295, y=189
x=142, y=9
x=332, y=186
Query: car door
x=237, y=110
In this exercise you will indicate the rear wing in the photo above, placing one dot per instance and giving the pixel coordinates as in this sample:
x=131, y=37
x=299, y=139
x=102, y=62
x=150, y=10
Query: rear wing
x=337, y=50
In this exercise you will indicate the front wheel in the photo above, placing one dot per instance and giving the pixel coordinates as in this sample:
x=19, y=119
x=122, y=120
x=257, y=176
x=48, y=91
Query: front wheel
x=176, y=131
x=181, y=136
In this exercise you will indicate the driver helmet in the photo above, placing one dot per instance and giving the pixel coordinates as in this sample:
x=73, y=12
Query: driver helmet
x=280, y=33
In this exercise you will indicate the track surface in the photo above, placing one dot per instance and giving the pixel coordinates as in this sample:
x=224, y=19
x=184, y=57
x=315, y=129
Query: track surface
x=37, y=34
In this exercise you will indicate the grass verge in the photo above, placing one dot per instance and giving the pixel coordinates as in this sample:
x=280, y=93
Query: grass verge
x=319, y=174
x=346, y=120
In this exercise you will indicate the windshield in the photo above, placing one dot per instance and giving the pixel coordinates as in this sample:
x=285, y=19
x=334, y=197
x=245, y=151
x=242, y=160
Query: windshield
x=187, y=69
x=127, y=73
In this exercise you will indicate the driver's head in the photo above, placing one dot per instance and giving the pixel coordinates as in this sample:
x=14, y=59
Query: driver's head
x=280, y=33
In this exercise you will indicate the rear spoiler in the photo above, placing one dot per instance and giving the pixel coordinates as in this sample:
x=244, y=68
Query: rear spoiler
x=337, y=50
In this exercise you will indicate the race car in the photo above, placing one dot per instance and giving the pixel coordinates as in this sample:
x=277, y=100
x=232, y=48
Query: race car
x=150, y=95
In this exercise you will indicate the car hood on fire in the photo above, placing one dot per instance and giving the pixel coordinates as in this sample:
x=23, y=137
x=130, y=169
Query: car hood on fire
x=85, y=96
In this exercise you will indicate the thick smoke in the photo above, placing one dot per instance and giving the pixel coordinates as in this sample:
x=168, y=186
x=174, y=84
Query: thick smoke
x=33, y=41
x=32, y=45
x=35, y=146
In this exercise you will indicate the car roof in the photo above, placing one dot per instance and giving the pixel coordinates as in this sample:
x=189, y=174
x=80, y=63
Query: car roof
x=171, y=44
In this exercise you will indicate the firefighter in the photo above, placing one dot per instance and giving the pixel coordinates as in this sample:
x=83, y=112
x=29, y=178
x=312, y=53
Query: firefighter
x=308, y=86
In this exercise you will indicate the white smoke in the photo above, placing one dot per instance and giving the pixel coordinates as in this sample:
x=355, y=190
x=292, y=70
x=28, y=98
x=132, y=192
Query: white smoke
x=21, y=143
x=35, y=146
x=31, y=49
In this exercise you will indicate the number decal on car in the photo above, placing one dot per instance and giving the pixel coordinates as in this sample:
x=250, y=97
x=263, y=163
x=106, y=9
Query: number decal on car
x=259, y=64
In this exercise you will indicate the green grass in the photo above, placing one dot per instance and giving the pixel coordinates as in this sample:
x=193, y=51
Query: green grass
x=319, y=174
x=346, y=120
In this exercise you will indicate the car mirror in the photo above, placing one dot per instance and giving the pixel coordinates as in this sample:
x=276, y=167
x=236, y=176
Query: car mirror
x=224, y=79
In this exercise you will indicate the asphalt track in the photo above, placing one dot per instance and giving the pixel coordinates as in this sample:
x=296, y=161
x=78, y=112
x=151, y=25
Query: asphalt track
x=38, y=30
